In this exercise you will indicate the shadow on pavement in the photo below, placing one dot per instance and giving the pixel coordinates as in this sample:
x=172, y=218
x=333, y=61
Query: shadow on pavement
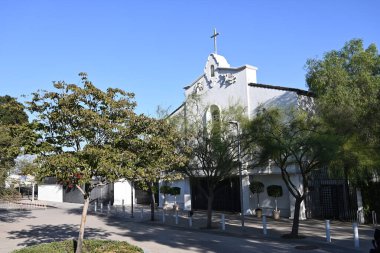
x=49, y=233
x=215, y=240
x=11, y=215
x=195, y=239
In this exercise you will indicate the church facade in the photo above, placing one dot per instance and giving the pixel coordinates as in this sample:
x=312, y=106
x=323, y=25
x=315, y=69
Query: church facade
x=221, y=86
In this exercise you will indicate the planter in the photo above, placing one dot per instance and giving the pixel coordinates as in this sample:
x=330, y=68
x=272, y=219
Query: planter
x=259, y=212
x=276, y=214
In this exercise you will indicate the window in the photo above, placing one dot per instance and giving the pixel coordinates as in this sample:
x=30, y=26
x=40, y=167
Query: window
x=215, y=119
x=212, y=71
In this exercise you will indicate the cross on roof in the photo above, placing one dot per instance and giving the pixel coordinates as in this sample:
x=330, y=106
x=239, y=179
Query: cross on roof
x=214, y=37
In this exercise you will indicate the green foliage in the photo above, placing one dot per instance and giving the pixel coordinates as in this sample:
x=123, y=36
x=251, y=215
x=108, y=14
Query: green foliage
x=347, y=86
x=291, y=138
x=15, y=134
x=295, y=141
x=175, y=191
x=93, y=246
x=12, y=112
x=86, y=136
x=210, y=143
x=9, y=194
x=256, y=187
x=165, y=189
x=274, y=191
x=156, y=150
x=81, y=129
x=157, y=155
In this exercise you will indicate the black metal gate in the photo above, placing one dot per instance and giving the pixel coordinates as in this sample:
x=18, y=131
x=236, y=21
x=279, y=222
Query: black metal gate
x=331, y=199
x=226, y=195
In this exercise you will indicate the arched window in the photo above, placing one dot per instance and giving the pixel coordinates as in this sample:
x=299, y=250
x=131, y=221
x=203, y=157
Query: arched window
x=212, y=68
x=215, y=119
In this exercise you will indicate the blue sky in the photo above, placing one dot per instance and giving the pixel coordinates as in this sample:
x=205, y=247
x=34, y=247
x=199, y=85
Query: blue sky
x=155, y=48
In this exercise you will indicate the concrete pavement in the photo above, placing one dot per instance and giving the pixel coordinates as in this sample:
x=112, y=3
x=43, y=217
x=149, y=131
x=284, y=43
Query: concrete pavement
x=20, y=228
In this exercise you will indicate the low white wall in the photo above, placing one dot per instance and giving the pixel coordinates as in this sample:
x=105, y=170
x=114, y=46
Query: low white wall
x=122, y=191
x=50, y=192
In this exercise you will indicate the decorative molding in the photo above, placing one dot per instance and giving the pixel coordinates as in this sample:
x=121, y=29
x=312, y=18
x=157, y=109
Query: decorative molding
x=229, y=79
x=198, y=88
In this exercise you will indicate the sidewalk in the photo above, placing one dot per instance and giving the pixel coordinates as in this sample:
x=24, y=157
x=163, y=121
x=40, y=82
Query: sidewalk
x=313, y=230
x=59, y=221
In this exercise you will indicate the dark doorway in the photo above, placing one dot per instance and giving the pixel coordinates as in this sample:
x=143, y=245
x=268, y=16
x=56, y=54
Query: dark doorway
x=227, y=195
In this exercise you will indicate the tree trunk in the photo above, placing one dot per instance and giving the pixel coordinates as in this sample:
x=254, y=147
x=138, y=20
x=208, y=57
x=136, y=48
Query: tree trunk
x=296, y=217
x=152, y=201
x=210, y=200
x=82, y=224
x=275, y=201
x=258, y=200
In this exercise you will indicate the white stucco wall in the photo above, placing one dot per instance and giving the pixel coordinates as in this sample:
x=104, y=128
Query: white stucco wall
x=216, y=90
x=50, y=192
x=270, y=98
x=185, y=189
x=297, y=180
x=122, y=192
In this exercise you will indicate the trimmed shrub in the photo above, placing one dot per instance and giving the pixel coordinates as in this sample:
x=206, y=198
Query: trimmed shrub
x=165, y=189
x=274, y=191
x=257, y=187
x=93, y=246
x=175, y=191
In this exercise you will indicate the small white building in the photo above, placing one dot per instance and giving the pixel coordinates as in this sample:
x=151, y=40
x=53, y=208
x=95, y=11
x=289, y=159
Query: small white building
x=221, y=86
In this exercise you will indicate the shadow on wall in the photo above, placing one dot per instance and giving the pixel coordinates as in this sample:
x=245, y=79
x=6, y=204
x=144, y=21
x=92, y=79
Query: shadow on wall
x=49, y=233
x=285, y=100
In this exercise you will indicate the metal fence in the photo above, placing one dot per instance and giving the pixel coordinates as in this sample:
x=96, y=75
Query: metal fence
x=331, y=199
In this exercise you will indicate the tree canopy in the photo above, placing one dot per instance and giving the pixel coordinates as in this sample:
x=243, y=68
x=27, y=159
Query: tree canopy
x=296, y=142
x=12, y=112
x=347, y=87
x=211, y=145
x=157, y=155
x=14, y=133
x=81, y=129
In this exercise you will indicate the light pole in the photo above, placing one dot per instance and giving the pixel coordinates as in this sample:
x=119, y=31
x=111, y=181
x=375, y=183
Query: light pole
x=235, y=123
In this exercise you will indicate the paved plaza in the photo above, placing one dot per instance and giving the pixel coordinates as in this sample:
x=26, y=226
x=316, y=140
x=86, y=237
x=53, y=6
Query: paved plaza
x=29, y=226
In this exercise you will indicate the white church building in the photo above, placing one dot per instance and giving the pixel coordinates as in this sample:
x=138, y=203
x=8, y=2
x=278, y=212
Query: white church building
x=221, y=86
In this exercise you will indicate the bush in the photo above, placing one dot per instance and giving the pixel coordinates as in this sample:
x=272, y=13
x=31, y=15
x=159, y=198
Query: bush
x=274, y=191
x=165, y=189
x=9, y=194
x=256, y=187
x=96, y=246
x=175, y=191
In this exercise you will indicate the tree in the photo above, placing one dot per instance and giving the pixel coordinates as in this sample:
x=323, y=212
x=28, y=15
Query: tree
x=14, y=134
x=274, y=191
x=81, y=128
x=12, y=112
x=157, y=156
x=211, y=146
x=347, y=87
x=257, y=187
x=296, y=142
x=165, y=189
